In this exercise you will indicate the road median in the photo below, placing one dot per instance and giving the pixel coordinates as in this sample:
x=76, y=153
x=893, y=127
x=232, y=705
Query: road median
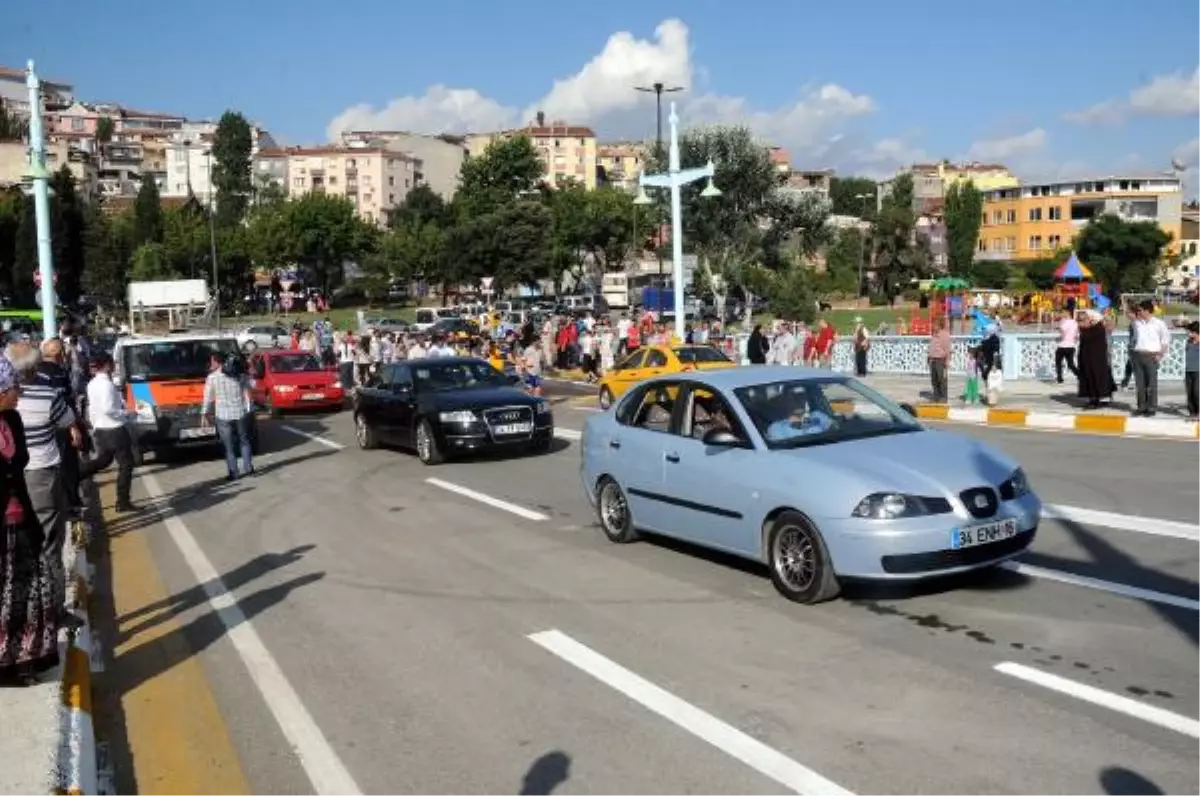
x=1108, y=423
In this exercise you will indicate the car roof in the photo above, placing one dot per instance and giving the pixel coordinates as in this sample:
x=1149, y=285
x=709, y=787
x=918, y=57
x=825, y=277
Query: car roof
x=137, y=339
x=750, y=375
x=280, y=352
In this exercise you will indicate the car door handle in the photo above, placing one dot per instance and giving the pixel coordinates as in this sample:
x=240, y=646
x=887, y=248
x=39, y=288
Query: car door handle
x=614, y=443
x=671, y=457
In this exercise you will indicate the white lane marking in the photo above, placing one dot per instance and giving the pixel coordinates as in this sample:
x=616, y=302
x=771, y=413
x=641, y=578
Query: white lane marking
x=512, y=508
x=337, y=446
x=1123, y=522
x=322, y=765
x=1130, y=707
x=567, y=433
x=1102, y=585
x=703, y=725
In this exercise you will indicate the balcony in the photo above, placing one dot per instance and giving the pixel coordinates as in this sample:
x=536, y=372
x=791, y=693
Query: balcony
x=351, y=171
x=123, y=155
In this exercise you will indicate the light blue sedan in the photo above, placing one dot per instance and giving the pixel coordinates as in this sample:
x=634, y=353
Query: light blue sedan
x=814, y=474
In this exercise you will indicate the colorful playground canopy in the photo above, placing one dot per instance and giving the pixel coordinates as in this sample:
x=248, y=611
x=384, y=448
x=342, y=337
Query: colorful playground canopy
x=1073, y=269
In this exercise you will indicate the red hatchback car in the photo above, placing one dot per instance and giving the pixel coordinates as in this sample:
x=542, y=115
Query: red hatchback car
x=287, y=380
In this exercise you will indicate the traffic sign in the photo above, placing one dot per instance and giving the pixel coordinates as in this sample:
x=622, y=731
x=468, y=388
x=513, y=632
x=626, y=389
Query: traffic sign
x=486, y=283
x=285, y=300
x=37, y=277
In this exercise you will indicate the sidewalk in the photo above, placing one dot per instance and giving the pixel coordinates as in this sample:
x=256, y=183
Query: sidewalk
x=1045, y=405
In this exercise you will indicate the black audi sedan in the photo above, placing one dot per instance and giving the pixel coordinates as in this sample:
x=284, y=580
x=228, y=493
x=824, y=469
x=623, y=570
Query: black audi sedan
x=442, y=406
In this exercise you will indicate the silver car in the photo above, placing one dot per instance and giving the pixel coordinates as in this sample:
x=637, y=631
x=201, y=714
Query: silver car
x=814, y=474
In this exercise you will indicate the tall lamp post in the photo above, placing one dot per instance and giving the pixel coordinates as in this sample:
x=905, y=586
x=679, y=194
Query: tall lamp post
x=674, y=179
x=41, y=203
x=861, y=244
x=658, y=89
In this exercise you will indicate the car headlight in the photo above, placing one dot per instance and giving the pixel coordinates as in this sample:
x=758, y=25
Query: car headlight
x=1016, y=486
x=893, y=505
x=337, y=385
x=145, y=412
x=543, y=407
x=460, y=416
x=284, y=388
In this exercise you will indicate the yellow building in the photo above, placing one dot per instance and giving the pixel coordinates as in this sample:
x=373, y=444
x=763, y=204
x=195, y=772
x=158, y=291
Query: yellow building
x=621, y=163
x=568, y=152
x=375, y=180
x=1029, y=221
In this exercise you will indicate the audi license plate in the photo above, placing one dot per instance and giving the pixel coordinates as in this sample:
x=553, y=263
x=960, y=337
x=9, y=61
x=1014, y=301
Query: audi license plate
x=975, y=535
x=313, y=396
x=197, y=433
x=512, y=428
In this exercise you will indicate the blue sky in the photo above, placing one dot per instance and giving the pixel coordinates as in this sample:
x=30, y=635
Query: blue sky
x=863, y=87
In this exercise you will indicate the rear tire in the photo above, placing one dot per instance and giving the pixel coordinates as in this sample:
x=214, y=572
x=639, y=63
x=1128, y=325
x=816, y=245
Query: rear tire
x=606, y=398
x=612, y=510
x=364, y=433
x=427, y=446
x=800, y=567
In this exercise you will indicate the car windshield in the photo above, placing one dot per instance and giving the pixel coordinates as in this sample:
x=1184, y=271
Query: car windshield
x=457, y=376
x=694, y=354
x=173, y=359
x=802, y=412
x=294, y=363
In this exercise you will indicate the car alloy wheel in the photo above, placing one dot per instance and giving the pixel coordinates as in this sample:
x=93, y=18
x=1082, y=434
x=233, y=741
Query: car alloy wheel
x=606, y=398
x=612, y=508
x=366, y=437
x=427, y=447
x=800, y=566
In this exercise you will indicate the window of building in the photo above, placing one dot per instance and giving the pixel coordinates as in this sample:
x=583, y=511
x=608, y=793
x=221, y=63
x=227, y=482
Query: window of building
x=997, y=245
x=997, y=215
x=1055, y=241
x=368, y=198
x=983, y=218
x=391, y=181
x=406, y=183
x=298, y=182
x=1124, y=185
x=1010, y=243
x=1054, y=213
x=982, y=245
x=1135, y=185
x=1035, y=214
x=391, y=199
x=1012, y=216
x=1035, y=242
x=77, y=125
x=333, y=179
x=351, y=163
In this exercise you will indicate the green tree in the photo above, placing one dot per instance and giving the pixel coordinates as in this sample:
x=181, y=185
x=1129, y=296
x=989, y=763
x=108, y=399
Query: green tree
x=844, y=193
x=842, y=261
x=67, y=234
x=322, y=233
x=964, y=215
x=231, y=148
x=12, y=207
x=1124, y=255
x=108, y=250
x=150, y=263
x=104, y=129
x=994, y=274
x=510, y=244
x=147, y=214
x=421, y=205
x=25, y=260
x=900, y=255
x=790, y=293
x=187, y=242
x=1040, y=272
x=507, y=169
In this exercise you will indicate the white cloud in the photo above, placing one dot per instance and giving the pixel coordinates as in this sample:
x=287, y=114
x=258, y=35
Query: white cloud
x=601, y=94
x=1188, y=153
x=1001, y=149
x=1175, y=94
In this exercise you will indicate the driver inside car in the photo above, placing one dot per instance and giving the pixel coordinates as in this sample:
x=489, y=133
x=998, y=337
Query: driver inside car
x=799, y=420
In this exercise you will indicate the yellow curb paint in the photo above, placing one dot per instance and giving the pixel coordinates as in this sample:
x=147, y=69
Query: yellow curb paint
x=933, y=411
x=177, y=738
x=1100, y=424
x=1006, y=417
x=77, y=680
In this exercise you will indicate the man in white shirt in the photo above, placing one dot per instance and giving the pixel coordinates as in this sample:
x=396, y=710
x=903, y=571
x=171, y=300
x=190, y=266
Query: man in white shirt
x=418, y=350
x=1151, y=341
x=623, y=335
x=1068, y=341
x=108, y=417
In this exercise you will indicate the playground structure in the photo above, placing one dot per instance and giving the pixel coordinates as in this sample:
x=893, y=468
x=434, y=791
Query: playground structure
x=953, y=298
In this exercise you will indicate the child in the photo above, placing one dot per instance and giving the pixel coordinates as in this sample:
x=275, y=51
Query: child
x=971, y=393
x=1191, y=368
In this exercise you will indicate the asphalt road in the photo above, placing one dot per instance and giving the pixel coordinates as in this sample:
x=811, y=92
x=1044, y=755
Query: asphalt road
x=392, y=635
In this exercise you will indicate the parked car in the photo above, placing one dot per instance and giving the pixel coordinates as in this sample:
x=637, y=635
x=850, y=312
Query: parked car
x=449, y=406
x=273, y=335
x=815, y=475
x=288, y=380
x=428, y=316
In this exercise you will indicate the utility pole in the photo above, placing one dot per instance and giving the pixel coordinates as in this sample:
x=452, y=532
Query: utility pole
x=658, y=89
x=41, y=203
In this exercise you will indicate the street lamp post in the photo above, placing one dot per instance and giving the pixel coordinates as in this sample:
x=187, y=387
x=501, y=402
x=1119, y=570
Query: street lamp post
x=674, y=179
x=41, y=202
x=658, y=89
x=212, y=239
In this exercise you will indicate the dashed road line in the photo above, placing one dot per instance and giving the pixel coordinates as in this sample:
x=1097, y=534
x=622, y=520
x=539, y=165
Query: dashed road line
x=337, y=446
x=730, y=740
x=1123, y=522
x=1097, y=696
x=1102, y=585
x=568, y=433
x=480, y=497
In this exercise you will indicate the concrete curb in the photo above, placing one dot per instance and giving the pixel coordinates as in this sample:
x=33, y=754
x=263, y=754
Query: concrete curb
x=76, y=758
x=1098, y=423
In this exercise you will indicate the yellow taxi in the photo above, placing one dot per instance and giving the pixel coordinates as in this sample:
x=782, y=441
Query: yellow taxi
x=655, y=360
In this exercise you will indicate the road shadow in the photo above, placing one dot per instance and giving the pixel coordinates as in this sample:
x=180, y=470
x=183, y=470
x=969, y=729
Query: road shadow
x=1120, y=780
x=1076, y=402
x=1110, y=563
x=546, y=774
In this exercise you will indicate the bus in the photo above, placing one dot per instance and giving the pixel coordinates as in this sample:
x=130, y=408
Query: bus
x=615, y=289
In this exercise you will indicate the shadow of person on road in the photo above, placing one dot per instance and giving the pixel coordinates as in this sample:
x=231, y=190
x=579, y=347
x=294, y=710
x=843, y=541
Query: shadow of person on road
x=1117, y=779
x=547, y=773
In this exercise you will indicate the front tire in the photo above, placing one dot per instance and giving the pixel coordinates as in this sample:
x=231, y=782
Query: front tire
x=612, y=509
x=272, y=409
x=249, y=347
x=606, y=398
x=542, y=444
x=427, y=446
x=801, y=569
x=364, y=433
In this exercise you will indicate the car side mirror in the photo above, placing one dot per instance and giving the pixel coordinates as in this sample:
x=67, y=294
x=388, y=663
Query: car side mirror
x=909, y=408
x=721, y=438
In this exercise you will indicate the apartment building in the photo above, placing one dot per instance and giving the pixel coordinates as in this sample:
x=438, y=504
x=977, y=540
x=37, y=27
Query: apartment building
x=441, y=156
x=932, y=180
x=781, y=161
x=1033, y=220
x=568, y=152
x=374, y=179
x=14, y=166
x=620, y=163
x=15, y=94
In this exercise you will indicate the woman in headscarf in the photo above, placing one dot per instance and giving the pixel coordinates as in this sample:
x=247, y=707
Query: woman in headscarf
x=1095, y=370
x=757, y=346
x=28, y=613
